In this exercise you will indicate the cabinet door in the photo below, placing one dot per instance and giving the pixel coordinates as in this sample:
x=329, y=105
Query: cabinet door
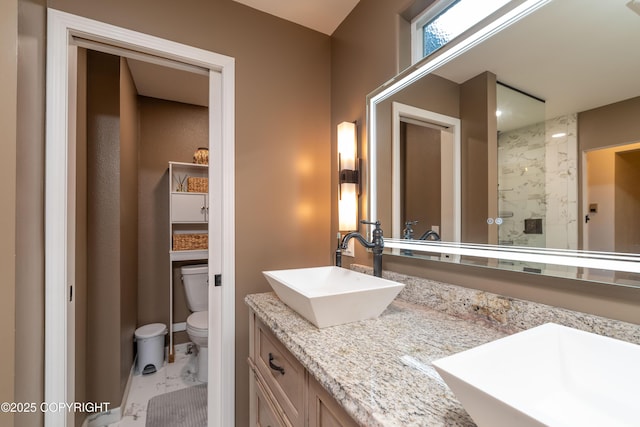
x=323, y=409
x=186, y=207
x=265, y=413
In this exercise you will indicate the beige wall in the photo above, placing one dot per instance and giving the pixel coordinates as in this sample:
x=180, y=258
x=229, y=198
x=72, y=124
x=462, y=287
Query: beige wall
x=357, y=69
x=601, y=191
x=627, y=165
x=29, y=260
x=283, y=179
x=293, y=86
x=8, y=113
x=607, y=126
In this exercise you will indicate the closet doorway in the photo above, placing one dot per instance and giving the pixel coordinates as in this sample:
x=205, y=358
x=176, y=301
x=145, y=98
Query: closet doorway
x=65, y=33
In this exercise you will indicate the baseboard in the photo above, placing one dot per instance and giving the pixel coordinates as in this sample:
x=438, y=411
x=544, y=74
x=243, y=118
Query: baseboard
x=179, y=327
x=103, y=419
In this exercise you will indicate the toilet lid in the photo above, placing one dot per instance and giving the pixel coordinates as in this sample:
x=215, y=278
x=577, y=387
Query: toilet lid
x=199, y=320
x=151, y=330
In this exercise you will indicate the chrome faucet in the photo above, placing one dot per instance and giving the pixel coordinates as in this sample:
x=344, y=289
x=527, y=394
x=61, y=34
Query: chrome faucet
x=376, y=245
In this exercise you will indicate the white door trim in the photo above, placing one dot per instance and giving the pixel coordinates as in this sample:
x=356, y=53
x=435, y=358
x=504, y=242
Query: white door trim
x=60, y=202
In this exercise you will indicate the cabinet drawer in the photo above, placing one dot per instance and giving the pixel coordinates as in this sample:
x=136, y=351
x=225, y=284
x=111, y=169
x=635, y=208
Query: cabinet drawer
x=283, y=374
x=265, y=413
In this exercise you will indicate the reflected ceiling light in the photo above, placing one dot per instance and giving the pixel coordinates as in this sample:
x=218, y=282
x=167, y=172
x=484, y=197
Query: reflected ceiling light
x=348, y=177
x=635, y=6
x=498, y=113
x=559, y=135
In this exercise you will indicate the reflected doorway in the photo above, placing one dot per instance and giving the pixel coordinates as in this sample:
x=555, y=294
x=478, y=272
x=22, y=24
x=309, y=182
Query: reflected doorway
x=426, y=172
x=612, y=199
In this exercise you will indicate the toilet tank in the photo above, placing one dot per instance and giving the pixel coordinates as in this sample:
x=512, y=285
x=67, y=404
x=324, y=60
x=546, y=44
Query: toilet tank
x=196, y=286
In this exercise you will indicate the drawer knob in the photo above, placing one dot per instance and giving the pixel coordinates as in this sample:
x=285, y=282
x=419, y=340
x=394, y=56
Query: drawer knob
x=274, y=366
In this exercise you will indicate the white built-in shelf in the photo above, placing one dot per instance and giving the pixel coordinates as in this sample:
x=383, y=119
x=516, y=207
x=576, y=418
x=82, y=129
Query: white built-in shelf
x=188, y=213
x=189, y=255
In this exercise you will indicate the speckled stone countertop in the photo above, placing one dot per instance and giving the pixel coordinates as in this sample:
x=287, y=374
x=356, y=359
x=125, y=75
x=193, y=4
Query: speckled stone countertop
x=380, y=370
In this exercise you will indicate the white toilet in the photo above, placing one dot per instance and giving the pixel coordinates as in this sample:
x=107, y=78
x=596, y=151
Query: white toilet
x=196, y=286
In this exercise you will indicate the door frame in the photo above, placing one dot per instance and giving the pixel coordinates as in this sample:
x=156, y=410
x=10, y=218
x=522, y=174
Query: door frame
x=60, y=202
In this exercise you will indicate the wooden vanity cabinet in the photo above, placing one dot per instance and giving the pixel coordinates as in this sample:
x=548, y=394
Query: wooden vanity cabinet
x=324, y=410
x=283, y=393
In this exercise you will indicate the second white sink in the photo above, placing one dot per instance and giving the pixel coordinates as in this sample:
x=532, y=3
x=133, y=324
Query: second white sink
x=329, y=296
x=550, y=375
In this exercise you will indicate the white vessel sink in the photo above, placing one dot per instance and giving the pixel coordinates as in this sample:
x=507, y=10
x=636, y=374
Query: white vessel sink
x=550, y=375
x=329, y=296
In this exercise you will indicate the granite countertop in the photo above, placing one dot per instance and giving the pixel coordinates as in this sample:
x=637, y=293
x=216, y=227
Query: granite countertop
x=380, y=370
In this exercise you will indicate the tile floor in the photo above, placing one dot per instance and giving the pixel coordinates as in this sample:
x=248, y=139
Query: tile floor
x=171, y=377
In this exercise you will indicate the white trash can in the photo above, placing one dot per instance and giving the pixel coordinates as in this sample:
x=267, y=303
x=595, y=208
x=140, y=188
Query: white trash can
x=150, y=343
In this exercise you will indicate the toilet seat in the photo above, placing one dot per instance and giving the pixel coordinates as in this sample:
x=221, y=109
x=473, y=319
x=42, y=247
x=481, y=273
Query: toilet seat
x=198, y=323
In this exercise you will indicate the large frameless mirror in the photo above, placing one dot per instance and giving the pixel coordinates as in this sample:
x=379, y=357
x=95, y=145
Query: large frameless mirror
x=520, y=138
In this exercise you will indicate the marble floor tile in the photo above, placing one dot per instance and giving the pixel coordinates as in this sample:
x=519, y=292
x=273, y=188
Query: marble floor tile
x=171, y=377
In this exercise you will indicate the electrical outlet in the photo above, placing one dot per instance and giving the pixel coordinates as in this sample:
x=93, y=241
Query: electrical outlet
x=436, y=228
x=350, y=251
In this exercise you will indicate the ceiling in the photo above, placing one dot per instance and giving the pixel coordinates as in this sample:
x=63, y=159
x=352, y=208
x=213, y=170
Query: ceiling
x=574, y=54
x=174, y=84
x=320, y=15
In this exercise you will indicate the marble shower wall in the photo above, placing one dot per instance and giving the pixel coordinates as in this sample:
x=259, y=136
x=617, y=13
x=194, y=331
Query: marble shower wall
x=537, y=179
x=521, y=184
x=562, y=182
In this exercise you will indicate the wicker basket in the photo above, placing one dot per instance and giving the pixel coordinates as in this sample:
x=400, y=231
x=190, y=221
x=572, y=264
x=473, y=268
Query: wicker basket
x=197, y=185
x=189, y=242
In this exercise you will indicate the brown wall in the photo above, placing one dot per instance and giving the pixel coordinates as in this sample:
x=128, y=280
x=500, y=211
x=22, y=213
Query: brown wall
x=350, y=85
x=129, y=144
x=112, y=217
x=613, y=124
x=169, y=131
x=8, y=114
x=283, y=182
x=80, y=288
x=358, y=65
x=479, y=141
x=432, y=94
x=421, y=176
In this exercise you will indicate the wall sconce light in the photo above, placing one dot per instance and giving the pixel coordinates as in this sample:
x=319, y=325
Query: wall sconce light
x=348, y=177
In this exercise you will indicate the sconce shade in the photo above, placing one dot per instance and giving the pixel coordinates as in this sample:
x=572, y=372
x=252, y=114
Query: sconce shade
x=348, y=208
x=348, y=177
x=347, y=145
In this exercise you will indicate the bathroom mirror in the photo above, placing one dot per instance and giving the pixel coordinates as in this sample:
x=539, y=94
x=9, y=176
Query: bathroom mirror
x=567, y=89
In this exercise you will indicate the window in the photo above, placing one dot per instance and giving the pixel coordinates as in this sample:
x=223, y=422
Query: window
x=445, y=20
